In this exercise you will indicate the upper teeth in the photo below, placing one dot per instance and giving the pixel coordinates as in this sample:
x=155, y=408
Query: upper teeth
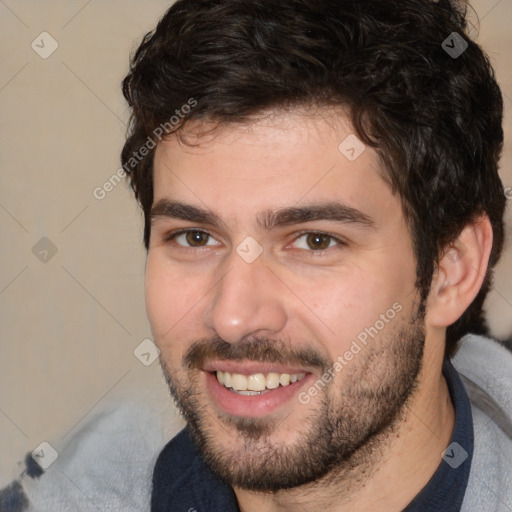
x=257, y=381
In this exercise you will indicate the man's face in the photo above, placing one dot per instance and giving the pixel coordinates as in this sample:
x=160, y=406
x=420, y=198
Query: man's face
x=280, y=290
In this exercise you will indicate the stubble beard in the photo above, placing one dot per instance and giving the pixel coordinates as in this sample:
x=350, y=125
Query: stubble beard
x=342, y=431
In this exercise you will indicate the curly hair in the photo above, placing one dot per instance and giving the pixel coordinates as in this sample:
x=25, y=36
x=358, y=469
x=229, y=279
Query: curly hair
x=434, y=118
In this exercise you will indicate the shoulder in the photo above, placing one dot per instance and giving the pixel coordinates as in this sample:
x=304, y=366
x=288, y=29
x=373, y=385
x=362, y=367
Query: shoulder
x=486, y=370
x=107, y=464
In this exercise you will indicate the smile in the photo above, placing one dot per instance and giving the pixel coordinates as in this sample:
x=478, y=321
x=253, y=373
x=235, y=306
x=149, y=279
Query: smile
x=256, y=383
x=256, y=392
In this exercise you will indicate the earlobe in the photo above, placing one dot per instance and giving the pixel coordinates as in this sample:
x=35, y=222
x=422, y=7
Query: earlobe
x=460, y=273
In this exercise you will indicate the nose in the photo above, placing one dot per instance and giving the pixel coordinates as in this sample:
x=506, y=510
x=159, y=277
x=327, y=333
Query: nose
x=248, y=300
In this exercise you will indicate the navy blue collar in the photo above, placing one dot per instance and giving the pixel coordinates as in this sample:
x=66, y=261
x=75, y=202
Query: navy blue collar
x=183, y=483
x=446, y=489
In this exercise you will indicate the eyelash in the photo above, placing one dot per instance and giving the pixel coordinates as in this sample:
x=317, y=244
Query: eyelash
x=170, y=237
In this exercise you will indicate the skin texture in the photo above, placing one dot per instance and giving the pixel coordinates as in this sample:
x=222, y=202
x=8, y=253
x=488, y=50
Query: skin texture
x=301, y=309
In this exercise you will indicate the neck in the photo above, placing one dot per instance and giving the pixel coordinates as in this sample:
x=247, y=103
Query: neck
x=388, y=472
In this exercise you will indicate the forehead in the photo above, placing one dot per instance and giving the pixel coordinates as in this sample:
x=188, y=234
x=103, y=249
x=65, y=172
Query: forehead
x=280, y=160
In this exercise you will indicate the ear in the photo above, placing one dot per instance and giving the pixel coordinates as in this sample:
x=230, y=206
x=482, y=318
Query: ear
x=460, y=274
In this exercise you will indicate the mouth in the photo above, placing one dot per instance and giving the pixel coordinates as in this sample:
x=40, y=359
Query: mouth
x=256, y=384
x=253, y=389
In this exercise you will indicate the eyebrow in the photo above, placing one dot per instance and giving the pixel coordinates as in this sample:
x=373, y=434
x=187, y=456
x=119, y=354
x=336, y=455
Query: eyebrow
x=176, y=210
x=332, y=211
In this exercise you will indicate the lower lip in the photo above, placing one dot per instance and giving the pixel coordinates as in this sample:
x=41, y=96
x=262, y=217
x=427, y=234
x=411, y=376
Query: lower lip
x=252, y=406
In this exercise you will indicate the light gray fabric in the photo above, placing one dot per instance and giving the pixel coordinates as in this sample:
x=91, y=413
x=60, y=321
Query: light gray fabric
x=486, y=368
x=107, y=465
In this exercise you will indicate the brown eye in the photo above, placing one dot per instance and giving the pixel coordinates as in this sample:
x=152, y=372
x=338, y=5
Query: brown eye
x=191, y=239
x=197, y=238
x=318, y=241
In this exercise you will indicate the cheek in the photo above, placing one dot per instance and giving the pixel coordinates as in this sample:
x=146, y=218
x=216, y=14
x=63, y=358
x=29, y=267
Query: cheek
x=348, y=304
x=170, y=297
x=345, y=304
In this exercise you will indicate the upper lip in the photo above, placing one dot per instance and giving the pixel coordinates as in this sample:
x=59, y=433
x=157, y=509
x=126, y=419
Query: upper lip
x=252, y=367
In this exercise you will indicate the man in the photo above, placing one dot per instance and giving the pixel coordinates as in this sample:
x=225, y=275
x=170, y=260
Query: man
x=322, y=215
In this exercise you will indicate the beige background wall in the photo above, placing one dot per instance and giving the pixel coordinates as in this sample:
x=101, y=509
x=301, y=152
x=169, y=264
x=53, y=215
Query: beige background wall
x=69, y=324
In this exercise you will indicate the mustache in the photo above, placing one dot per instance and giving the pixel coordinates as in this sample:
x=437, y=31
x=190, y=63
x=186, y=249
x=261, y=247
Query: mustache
x=259, y=349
